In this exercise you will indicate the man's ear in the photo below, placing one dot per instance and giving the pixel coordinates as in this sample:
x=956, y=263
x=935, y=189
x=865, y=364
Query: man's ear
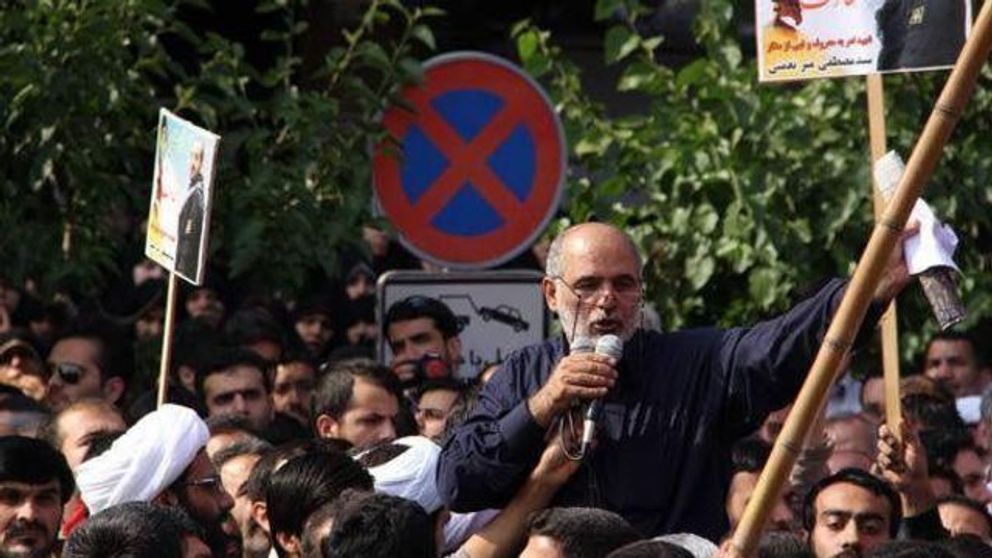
x=454, y=348
x=113, y=389
x=260, y=514
x=550, y=290
x=327, y=427
x=166, y=498
x=187, y=377
x=289, y=543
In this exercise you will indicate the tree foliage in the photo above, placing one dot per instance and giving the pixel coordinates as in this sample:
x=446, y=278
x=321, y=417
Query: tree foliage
x=80, y=87
x=742, y=193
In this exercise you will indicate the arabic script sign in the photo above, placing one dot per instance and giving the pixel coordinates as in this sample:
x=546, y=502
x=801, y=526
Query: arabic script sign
x=806, y=39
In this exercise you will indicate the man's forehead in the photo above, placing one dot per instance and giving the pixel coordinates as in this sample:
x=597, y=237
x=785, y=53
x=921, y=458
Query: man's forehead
x=591, y=251
x=851, y=498
x=949, y=347
x=407, y=328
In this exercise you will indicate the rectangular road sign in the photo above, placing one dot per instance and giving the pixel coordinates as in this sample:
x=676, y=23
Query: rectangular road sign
x=499, y=311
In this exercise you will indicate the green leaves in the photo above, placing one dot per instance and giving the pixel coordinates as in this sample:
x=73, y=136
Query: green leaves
x=620, y=42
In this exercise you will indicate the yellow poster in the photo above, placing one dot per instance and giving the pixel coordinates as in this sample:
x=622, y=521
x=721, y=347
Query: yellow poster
x=806, y=39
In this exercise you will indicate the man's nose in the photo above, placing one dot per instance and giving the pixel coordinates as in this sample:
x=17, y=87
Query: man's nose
x=240, y=405
x=387, y=431
x=27, y=510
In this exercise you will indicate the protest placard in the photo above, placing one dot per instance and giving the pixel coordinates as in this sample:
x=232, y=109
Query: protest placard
x=806, y=39
x=179, y=212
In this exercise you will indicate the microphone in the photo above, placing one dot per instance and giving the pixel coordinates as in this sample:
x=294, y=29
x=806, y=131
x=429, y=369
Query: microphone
x=582, y=345
x=611, y=346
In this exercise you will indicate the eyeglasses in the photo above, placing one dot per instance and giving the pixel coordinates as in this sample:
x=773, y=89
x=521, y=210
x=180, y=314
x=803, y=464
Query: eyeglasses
x=586, y=289
x=209, y=483
x=69, y=372
x=432, y=414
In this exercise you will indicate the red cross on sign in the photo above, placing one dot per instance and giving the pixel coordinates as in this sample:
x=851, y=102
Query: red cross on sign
x=481, y=162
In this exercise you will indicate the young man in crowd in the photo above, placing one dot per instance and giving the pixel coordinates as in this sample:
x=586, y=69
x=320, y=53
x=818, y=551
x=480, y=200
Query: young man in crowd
x=35, y=483
x=89, y=361
x=357, y=401
x=293, y=387
x=234, y=463
x=302, y=485
x=435, y=401
x=236, y=382
x=953, y=358
x=72, y=429
x=138, y=530
x=576, y=533
x=417, y=326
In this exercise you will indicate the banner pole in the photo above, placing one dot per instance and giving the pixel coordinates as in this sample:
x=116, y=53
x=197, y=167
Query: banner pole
x=888, y=323
x=170, y=312
x=858, y=295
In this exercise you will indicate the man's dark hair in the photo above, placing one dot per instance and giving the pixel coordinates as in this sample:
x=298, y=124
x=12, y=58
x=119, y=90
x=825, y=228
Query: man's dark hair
x=583, y=532
x=781, y=544
x=226, y=358
x=943, y=472
x=193, y=345
x=252, y=325
x=909, y=549
x=132, y=530
x=932, y=413
x=307, y=482
x=650, y=549
x=967, y=546
x=13, y=400
x=419, y=306
x=333, y=394
x=444, y=383
x=943, y=445
x=860, y=478
x=749, y=455
x=970, y=504
x=249, y=445
x=313, y=539
x=31, y=461
x=380, y=526
x=115, y=354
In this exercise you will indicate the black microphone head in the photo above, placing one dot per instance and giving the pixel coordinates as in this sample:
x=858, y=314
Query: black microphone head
x=582, y=345
x=610, y=345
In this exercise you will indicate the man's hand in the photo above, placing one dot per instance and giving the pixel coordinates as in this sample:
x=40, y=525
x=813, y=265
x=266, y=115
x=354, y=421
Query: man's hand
x=904, y=464
x=583, y=376
x=896, y=275
x=554, y=468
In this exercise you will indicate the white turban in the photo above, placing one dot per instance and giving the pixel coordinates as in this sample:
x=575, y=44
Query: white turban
x=145, y=460
x=411, y=474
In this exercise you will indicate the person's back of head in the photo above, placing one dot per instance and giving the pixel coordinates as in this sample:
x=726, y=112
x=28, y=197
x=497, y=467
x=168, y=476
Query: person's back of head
x=909, y=549
x=380, y=526
x=582, y=532
x=302, y=485
x=650, y=549
x=967, y=546
x=131, y=530
x=780, y=544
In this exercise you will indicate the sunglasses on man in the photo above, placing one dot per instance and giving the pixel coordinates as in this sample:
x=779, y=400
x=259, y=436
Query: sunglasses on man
x=68, y=372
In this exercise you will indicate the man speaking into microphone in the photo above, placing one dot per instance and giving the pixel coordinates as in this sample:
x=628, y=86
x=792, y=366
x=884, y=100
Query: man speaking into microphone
x=672, y=404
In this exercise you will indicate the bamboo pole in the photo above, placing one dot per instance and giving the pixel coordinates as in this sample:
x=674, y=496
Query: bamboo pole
x=888, y=324
x=163, y=368
x=858, y=295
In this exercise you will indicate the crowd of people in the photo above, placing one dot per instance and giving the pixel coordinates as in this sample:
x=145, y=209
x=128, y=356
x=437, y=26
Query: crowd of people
x=284, y=436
